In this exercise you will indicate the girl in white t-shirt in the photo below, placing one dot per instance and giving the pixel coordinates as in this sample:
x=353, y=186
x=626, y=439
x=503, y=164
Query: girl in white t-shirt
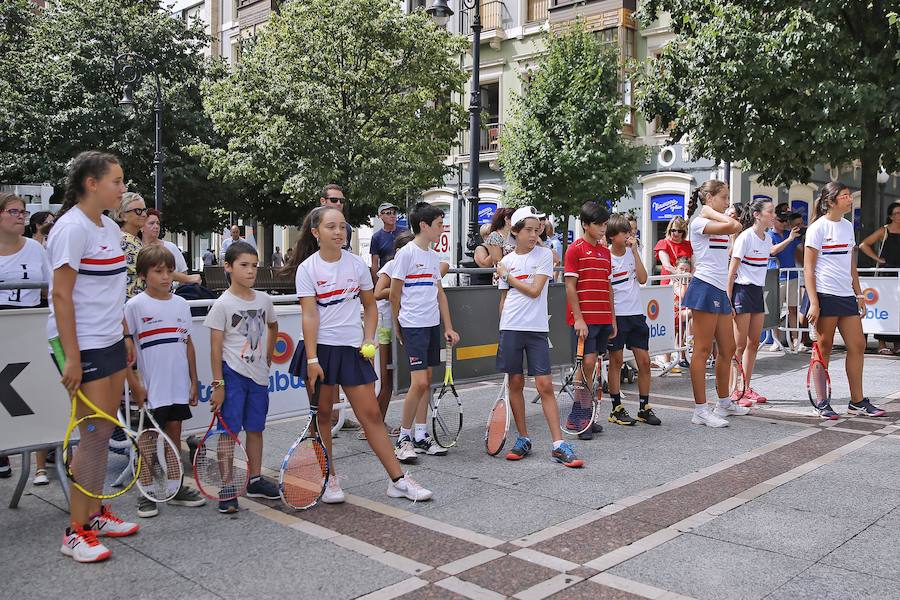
x=746, y=279
x=87, y=314
x=834, y=298
x=707, y=298
x=334, y=286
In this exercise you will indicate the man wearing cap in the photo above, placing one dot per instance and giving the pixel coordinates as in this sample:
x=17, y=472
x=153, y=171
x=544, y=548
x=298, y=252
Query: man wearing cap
x=787, y=224
x=382, y=245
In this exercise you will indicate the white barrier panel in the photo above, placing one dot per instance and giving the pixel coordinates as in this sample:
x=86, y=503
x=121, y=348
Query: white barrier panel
x=882, y=298
x=659, y=307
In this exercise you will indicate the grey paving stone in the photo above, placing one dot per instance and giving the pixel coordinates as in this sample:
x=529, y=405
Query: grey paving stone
x=839, y=494
x=823, y=582
x=872, y=552
x=704, y=568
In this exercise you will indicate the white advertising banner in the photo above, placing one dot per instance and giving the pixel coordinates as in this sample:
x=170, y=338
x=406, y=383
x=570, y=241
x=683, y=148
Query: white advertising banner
x=659, y=307
x=882, y=298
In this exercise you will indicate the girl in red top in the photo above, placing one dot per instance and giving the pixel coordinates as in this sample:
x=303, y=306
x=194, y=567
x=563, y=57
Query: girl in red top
x=674, y=246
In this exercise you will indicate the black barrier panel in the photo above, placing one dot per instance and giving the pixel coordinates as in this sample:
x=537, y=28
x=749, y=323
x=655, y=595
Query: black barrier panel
x=771, y=299
x=476, y=317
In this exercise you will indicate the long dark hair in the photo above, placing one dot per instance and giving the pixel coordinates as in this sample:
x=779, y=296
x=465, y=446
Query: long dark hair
x=498, y=221
x=39, y=218
x=91, y=163
x=890, y=209
x=698, y=196
x=827, y=195
x=748, y=217
x=307, y=244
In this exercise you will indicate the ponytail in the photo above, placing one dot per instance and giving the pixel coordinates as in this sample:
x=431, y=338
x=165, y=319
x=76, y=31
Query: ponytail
x=307, y=244
x=91, y=163
x=748, y=218
x=827, y=195
x=698, y=196
x=693, y=202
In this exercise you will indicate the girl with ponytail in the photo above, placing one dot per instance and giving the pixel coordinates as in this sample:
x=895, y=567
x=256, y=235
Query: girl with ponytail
x=707, y=297
x=746, y=278
x=834, y=298
x=87, y=314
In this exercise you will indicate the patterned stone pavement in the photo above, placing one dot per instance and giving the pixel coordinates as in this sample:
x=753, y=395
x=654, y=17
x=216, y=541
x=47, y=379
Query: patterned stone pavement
x=779, y=504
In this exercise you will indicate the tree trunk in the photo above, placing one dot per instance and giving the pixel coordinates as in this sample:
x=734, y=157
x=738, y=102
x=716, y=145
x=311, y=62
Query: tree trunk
x=869, y=201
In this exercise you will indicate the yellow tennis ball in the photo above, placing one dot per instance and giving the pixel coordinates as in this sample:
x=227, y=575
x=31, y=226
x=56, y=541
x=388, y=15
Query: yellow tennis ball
x=368, y=350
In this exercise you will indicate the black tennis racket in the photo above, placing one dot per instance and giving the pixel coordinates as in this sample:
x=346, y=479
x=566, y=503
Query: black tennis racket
x=306, y=467
x=446, y=413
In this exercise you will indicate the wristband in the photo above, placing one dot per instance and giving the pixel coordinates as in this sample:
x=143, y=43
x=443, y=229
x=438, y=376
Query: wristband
x=128, y=336
x=217, y=383
x=312, y=361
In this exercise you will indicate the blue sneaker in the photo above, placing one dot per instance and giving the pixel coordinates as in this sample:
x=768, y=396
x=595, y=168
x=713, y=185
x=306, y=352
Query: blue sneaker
x=262, y=488
x=565, y=454
x=228, y=507
x=826, y=412
x=521, y=449
x=864, y=408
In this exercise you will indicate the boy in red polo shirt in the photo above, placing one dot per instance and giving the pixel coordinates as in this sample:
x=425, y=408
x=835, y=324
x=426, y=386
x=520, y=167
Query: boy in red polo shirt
x=591, y=311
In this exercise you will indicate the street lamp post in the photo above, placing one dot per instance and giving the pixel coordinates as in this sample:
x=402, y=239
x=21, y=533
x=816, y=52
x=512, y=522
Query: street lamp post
x=129, y=68
x=441, y=12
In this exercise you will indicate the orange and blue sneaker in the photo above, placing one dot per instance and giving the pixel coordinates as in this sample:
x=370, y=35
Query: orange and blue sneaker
x=565, y=454
x=864, y=408
x=520, y=450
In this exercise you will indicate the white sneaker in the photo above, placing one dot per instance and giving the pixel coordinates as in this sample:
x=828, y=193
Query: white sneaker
x=83, y=546
x=333, y=492
x=731, y=410
x=802, y=348
x=40, y=477
x=407, y=487
x=405, y=451
x=776, y=347
x=429, y=446
x=708, y=418
x=106, y=524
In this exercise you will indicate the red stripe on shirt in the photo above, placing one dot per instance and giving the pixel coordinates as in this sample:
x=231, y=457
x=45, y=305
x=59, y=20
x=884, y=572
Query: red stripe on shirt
x=103, y=261
x=156, y=331
x=336, y=293
x=835, y=246
x=757, y=258
x=420, y=276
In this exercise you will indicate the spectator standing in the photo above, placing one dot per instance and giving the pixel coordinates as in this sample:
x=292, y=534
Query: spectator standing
x=672, y=247
x=39, y=226
x=333, y=196
x=150, y=237
x=209, y=257
x=235, y=237
x=277, y=258
x=383, y=240
x=788, y=283
x=498, y=240
x=888, y=257
x=131, y=216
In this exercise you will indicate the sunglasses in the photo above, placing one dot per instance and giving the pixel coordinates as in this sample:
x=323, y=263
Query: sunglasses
x=17, y=212
x=389, y=212
x=681, y=231
x=140, y=212
x=335, y=199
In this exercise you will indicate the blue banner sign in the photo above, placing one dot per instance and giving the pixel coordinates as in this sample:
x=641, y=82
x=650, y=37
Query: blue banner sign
x=486, y=212
x=801, y=207
x=665, y=206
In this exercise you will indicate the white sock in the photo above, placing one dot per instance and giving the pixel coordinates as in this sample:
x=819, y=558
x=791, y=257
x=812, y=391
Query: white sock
x=724, y=402
x=557, y=444
x=421, y=431
x=405, y=432
x=700, y=409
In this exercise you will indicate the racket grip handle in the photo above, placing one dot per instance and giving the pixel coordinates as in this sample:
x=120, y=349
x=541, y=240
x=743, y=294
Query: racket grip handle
x=58, y=354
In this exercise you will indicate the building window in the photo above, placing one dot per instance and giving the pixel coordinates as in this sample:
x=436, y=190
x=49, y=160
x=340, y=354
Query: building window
x=188, y=15
x=234, y=10
x=537, y=10
x=490, y=102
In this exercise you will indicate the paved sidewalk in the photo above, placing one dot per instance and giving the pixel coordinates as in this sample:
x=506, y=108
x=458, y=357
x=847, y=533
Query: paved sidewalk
x=778, y=505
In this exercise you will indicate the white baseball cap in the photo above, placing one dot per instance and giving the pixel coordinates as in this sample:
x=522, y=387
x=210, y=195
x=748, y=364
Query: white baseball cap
x=525, y=212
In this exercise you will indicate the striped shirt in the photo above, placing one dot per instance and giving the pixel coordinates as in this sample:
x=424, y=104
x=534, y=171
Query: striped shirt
x=626, y=289
x=419, y=270
x=710, y=254
x=336, y=287
x=591, y=265
x=834, y=241
x=754, y=256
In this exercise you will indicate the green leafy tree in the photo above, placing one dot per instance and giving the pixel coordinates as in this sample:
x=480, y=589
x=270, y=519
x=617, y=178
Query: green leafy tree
x=563, y=144
x=59, y=96
x=342, y=91
x=781, y=86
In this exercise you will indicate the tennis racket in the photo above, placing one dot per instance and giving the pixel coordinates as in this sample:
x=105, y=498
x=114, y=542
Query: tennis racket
x=446, y=415
x=220, y=463
x=498, y=421
x=157, y=462
x=818, y=383
x=87, y=444
x=305, y=469
x=737, y=382
x=578, y=398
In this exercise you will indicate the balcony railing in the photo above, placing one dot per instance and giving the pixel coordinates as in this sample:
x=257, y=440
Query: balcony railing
x=538, y=10
x=490, y=140
x=491, y=14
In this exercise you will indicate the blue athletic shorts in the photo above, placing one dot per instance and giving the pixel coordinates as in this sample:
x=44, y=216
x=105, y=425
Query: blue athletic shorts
x=596, y=340
x=631, y=331
x=342, y=365
x=422, y=345
x=833, y=306
x=516, y=345
x=747, y=298
x=706, y=297
x=246, y=402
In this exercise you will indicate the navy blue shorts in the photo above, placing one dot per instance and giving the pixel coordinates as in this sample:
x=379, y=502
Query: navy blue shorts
x=706, y=297
x=832, y=306
x=747, y=298
x=516, y=345
x=246, y=402
x=100, y=362
x=596, y=340
x=422, y=345
x=342, y=365
x=631, y=331
x=172, y=413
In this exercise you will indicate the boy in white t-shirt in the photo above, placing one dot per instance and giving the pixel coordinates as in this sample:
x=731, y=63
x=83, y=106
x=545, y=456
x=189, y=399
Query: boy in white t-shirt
x=160, y=324
x=242, y=333
x=627, y=275
x=418, y=304
x=524, y=328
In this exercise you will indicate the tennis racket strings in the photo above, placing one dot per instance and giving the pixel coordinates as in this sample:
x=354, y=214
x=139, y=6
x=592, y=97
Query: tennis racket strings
x=220, y=465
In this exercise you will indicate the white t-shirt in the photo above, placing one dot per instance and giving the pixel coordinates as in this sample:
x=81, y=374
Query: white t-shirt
x=160, y=329
x=710, y=254
x=754, y=256
x=245, y=324
x=521, y=313
x=384, y=306
x=28, y=264
x=180, y=264
x=95, y=252
x=419, y=270
x=624, y=284
x=336, y=287
x=835, y=242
